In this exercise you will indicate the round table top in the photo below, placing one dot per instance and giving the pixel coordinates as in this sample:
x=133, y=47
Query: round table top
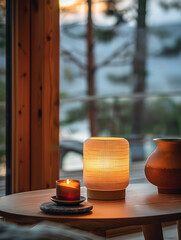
x=143, y=205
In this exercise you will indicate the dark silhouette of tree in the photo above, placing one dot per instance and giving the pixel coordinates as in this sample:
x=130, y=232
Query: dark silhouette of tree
x=94, y=32
x=159, y=116
x=139, y=73
x=92, y=111
x=110, y=6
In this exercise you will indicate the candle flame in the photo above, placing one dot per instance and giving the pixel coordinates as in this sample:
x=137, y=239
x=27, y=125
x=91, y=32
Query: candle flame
x=68, y=181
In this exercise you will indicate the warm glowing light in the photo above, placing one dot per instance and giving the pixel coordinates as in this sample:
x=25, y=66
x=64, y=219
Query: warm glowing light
x=66, y=3
x=106, y=166
x=68, y=190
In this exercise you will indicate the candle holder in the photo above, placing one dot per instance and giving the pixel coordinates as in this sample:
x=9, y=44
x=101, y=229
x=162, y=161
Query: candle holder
x=67, y=199
x=67, y=202
x=106, y=167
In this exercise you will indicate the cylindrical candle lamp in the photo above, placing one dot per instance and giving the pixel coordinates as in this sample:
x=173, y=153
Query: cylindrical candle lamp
x=106, y=167
x=68, y=189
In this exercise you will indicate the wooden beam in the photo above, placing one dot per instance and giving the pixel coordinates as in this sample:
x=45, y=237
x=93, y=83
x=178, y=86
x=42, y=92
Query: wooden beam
x=35, y=155
x=21, y=96
x=44, y=93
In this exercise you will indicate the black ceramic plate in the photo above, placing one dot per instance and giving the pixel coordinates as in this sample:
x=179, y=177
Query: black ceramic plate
x=66, y=202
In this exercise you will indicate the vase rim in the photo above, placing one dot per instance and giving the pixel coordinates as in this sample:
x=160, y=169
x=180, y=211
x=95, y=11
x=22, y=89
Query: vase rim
x=173, y=140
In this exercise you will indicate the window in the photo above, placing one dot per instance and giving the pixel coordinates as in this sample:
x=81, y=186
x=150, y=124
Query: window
x=120, y=71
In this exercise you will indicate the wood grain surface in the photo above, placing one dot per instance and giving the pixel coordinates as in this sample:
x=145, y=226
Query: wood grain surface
x=21, y=96
x=44, y=93
x=143, y=205
x=153, y=231
x=35, y=90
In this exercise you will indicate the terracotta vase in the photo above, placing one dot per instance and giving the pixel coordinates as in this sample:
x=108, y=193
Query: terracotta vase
x=163, y=167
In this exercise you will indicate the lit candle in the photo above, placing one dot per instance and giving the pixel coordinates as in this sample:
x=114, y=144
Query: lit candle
x=68, y=189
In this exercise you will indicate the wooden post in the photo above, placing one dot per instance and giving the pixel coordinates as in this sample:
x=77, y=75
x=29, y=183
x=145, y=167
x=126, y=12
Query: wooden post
x=44, y=93
x=21, y=97
x=35, y=138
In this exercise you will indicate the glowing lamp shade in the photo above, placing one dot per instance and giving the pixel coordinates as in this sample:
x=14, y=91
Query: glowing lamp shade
x=106, y=167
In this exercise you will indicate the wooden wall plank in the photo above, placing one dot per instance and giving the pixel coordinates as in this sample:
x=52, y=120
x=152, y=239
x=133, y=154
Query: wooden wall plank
x=37, y=75
x=44, y=93
x=35, y=125
x=51, y=93
x=21, y=96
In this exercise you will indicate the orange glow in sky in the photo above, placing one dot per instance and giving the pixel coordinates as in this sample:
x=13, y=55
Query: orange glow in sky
x=66, y=3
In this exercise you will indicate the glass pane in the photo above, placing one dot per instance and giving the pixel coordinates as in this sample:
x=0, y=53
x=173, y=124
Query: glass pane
x=2, y=96
x=120, y=72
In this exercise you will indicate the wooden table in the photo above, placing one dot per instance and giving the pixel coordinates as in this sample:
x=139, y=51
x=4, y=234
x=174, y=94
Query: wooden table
x=142, y=206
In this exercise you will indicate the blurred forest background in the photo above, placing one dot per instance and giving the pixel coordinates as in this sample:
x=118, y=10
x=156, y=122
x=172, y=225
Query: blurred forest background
x=120, y=71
